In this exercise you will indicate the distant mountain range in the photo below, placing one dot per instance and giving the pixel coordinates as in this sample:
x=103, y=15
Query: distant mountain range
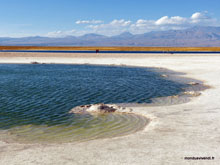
x=193, y=37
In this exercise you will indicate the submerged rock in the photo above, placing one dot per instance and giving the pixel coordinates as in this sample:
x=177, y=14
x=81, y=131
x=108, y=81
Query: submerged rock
x=193, y=83
x=100, y=108
x=164, y=75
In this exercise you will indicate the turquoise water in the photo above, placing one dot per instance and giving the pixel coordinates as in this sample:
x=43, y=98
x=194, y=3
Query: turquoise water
x=35, y=99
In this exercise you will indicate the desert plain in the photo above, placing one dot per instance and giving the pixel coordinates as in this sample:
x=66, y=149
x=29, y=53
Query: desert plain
x=189, y=129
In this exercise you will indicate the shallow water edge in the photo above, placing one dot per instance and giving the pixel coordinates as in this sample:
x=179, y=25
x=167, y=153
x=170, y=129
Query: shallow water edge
x=169, y=100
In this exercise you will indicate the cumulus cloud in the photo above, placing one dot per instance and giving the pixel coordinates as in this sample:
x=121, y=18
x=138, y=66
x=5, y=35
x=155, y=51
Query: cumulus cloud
x=118, y=26
x=200, y=17
x=89, y=22
x=121, y=22
x=112, y=28
x=172, y=20
x=173, y=23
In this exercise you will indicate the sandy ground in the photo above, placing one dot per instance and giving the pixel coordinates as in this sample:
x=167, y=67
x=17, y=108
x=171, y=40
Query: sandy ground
x=186, y=130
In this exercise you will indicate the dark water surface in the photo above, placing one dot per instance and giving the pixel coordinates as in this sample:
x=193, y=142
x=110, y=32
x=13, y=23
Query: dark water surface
x=35, y=99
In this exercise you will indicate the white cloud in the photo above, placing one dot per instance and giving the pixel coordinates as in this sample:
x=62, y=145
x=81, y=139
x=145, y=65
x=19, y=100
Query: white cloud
x=89, y=22
x=200, y=17
x=121, y=22
x=140, y=26
x=172, y=20
x=113, y=28
x=173, y=23
x=61, y=33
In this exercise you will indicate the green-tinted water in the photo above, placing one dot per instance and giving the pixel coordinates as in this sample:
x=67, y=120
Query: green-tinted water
x=35, y=100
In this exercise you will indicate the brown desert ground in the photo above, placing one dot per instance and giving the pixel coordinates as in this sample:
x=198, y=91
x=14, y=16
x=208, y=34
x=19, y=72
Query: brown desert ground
x=165, y=49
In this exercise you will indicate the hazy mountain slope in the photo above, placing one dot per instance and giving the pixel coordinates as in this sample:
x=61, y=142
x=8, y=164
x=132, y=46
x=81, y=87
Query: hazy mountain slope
x=196, y=36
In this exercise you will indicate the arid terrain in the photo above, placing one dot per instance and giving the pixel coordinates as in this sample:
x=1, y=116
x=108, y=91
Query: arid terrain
x=116, y=48
x=175, y=132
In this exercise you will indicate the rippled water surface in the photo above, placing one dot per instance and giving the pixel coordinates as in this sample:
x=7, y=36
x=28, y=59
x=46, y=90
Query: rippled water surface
x=35, y=100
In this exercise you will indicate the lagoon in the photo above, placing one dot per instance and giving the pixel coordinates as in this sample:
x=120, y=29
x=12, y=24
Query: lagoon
x=35, y=99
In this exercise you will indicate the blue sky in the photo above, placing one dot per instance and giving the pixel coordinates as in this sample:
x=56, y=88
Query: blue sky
x=57, y=18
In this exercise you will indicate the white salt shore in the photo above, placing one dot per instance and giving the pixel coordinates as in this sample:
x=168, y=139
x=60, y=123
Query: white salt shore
x=185, y=130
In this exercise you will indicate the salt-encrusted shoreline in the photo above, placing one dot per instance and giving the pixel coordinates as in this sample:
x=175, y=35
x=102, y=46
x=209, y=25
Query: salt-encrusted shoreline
x=175, y=132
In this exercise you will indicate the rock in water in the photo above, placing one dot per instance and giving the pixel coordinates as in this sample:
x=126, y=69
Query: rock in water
x=100, y=108
x=192, y=93
x=164, y=75
x=193, y=83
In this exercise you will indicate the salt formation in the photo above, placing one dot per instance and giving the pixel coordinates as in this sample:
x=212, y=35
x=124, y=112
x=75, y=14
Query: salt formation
x=100, y=108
